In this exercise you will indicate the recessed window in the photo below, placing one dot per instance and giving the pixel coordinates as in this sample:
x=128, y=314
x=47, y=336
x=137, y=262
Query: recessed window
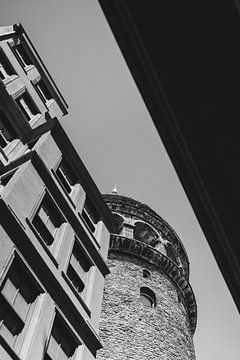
x=147, y=297
x=62, y=345
x=47, y=220
x=7, y=131
x=90, y=215
x=179, y=296
x=78, y=267
x=32, y=143
x=66, y=176
x=146, y=273
x=119, y=222
x=27, y=106
x=6, y=69
x=43, y=91
x=22, y=55
x=5, y=178
x=18, y=294
x=145, y=233
x=11, y=324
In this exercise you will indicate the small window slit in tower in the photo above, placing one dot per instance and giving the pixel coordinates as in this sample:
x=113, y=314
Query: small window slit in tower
x=146, y=273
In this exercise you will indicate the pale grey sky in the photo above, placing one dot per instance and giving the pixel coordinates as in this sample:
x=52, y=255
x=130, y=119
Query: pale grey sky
x=114, y=135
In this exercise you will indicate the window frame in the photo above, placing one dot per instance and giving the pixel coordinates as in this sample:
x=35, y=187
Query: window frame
x=171, y=253
x=16, y=261
x=17, y=49
x=9, y=128
x=64, y=324
x=30, y=110
x=57, y=234
x=63, y=177
x=7, y=67
x=81, y=275
x=43, y=93
x=146, y=273
x=88, y=216
x=147, y=293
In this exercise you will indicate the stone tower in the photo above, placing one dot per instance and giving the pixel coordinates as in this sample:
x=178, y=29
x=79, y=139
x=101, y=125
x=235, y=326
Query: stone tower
x=149, y=309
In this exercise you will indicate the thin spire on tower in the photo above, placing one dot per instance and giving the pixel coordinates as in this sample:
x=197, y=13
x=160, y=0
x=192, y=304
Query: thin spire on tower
x=114, y=190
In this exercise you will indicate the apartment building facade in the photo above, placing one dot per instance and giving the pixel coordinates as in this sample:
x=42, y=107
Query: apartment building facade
x=54, y=224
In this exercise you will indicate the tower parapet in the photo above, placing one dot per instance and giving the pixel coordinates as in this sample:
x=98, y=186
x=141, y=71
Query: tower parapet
x=139, y=221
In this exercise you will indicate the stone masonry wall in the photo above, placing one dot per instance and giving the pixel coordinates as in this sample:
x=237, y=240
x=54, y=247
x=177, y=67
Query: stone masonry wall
x=131, y=330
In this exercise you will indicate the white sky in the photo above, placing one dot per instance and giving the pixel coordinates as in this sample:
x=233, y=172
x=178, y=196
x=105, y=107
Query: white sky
x=114, y=135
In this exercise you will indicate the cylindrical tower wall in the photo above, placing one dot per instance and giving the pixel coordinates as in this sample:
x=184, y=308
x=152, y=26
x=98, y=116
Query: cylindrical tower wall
x=148, y=310
x=131, y=330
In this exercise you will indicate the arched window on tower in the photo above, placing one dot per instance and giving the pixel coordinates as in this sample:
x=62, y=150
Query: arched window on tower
x=147, y=297
x=171, y=253
x=146, y=273
x=145, y=233
x=118, y=223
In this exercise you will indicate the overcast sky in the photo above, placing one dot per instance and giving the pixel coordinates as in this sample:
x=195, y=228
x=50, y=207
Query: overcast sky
x=114, y=135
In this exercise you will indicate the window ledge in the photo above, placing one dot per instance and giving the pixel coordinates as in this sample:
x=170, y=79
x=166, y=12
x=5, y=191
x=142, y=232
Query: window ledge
x=89, y=230
x=28, y=68
x=49, y=102
x=42, y=243
x=76, y=293
x=69, y=196
x=8, y=349
x=9, y=79
x=13, y=311
x=11, y=146
x=34, y=120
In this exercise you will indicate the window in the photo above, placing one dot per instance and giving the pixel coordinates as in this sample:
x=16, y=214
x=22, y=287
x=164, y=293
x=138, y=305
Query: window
x=6, y=69
x=5, y=178
x=146, y=273
x=47, y=220
x=7, y=131
x=119, y=222
x=78, y=267
x=22, y=55
x=147, y=297
x=179, y=297
x=18, y=293
x=145, y=233
x=32, y=143
x=66, y=176
x=43, y=91
x=27, y=106
x=171, y=252
x=10, y=323
x=90, y=215
x=62, y=345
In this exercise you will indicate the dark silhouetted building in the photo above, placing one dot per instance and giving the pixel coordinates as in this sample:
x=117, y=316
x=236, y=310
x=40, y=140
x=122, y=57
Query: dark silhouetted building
x=184, y=57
